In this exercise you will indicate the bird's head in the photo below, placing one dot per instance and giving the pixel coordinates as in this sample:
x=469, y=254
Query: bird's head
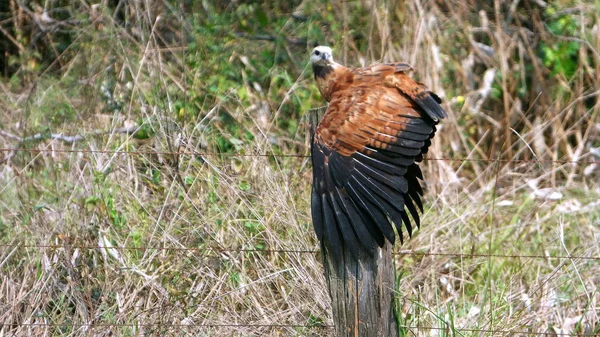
x=321, y=56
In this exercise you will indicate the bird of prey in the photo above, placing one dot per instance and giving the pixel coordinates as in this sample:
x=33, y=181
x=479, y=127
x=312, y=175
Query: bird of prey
x=378, y=124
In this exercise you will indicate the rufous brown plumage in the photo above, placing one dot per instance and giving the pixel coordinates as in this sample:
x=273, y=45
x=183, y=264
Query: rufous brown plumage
x=365, y=150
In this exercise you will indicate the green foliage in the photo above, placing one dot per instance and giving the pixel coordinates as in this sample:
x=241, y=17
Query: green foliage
x=115, y=216
x=3, y=229
x=561, y=53
x=145, y=130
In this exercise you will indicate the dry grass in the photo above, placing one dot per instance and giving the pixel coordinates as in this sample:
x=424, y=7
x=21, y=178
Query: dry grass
x=496, y=253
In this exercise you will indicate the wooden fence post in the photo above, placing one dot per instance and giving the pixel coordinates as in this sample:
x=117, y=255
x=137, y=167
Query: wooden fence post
x=362, y=292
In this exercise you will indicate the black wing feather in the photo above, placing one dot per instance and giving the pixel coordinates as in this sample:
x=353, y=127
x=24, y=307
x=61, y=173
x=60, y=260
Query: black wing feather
x=317, y=214
x=358, y=199
x=385, y=193
x=344, y=226
x=375, y=213
x=381, y=204
x=395, y=182
x=331, y=234
x=379, y=164
x=357, y=222
x=430, y=102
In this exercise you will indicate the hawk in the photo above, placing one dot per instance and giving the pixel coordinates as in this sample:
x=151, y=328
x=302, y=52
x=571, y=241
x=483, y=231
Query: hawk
x=365, y=150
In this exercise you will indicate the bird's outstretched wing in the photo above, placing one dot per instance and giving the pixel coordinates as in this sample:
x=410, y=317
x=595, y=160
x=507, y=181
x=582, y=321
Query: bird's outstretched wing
x=378, y=124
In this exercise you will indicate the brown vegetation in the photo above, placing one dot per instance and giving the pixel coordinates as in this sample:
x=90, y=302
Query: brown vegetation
x=145, y=241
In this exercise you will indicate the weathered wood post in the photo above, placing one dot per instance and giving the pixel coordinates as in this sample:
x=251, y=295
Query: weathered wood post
x=362, y=292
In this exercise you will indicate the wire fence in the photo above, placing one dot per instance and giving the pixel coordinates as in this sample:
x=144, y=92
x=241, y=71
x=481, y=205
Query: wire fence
x=91, y=325
x=203, y=251
x=284, y=155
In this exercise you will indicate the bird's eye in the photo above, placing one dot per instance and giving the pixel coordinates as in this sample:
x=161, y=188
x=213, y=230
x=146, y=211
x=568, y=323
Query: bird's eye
x=317, y=52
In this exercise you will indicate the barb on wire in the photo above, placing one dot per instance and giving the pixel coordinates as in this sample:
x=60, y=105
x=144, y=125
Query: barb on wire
x=299, y=251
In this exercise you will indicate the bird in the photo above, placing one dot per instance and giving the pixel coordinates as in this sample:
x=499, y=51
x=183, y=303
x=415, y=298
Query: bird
x=365, y=151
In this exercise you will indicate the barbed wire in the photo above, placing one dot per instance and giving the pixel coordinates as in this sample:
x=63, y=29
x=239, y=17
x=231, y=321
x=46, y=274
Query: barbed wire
x=165, y=325
x=294, y=326
x=282, y=155
x=294, y=251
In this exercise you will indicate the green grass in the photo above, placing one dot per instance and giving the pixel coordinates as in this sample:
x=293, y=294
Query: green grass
x=191, y=242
